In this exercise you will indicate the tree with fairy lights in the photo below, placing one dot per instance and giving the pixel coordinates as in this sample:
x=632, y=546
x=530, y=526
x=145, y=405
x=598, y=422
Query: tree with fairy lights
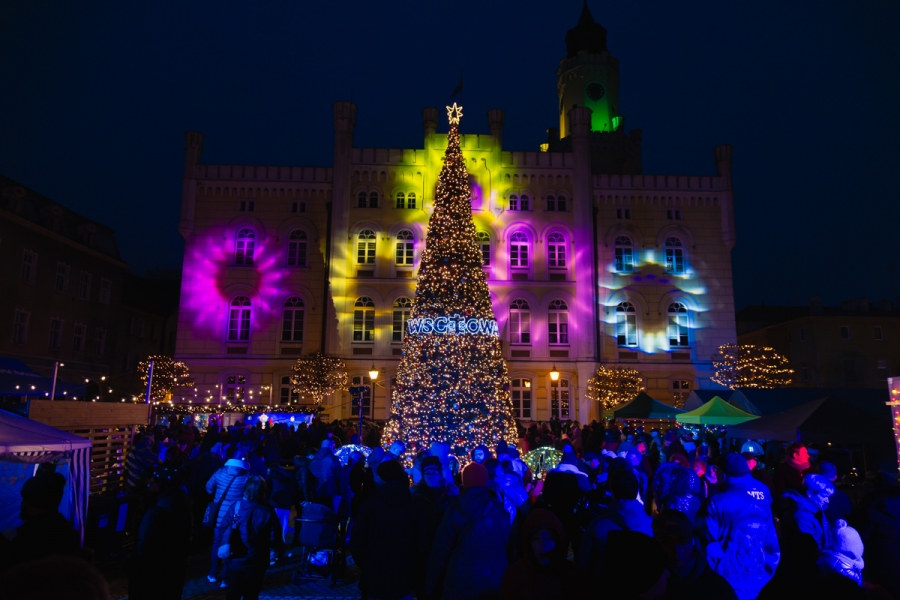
x=319, y=375
x=611, y=386
x=750, y=366
x=167, y=375
x=452, y=384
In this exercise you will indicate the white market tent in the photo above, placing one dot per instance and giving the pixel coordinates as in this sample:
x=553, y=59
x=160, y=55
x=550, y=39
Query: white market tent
x=25, y=441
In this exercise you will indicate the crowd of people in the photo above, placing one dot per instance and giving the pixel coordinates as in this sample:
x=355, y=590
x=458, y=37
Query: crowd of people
x=658, y=514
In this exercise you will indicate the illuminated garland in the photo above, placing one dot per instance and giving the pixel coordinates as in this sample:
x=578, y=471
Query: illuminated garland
x=542, y=459
x=343, y=453
x=319, y=375
x=750, y=366
x=218, y=409
x=452, y=388
x=611, y=386
x=167, y=375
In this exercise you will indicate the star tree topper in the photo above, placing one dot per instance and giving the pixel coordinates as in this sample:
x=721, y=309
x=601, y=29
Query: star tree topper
x=454, y=113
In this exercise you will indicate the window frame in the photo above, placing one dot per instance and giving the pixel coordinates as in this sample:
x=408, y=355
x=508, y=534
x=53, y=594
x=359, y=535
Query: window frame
x=519, y=322
x=404, y=248
x=486, y=246
x=84, y=285
x=63, y=271
x=54, y=341
x=563, y=397
x=245, y=247
x=29, y=266
x=558, y=319
x=624, y=254
x=247, y=205
x=878, y=332
x=523, y=387
x=105, y=290
x=519, y=251
x=290, y=324
x=366, y=247
x=298, y=249
x=240, y=320
x=557, y=251
x=626, y=326
x=400, y=313
x=678, y=325
x=623, y=214
x=21, y=319
x=99, y=341
x=676, y=257
x=368, y=404
x=363, y=321
x=79, y=336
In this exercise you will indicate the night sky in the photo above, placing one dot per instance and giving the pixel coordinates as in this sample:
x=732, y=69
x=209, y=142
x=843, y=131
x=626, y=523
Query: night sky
x=96, y=97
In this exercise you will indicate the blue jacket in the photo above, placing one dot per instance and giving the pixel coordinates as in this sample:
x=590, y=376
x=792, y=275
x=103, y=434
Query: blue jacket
x=752, y=486
x=742, y=545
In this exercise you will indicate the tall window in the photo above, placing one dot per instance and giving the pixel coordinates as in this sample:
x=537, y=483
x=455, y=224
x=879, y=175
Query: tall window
x=362, y=200
x=673, y=214
x=373, y=199
x=626, y=324
x=235, y=386
x=105, y=290
x=518, y=250
x=297, y=245
x=558, y=322
x=364, y=320
x=84, y=286
x=29, y=266
x=56, y=326
x=365, y=247
x=559, y=399
x=239, y=320
x=365, y=383
x=244, y=246
x=513, y=202
x=404, y=248
x=556, y=251
x=623, y=213
x=678, y=325
x=484, y=242
x=402, y=308
x=400, y=201
x=62, y=277
x=519, y=202
x=520, y=393
x=411, y=200
x=674, y=255
x=247, y=205
x=20, y=327
x=292, y=323
x=298, y=207
x=624, y=255
x=519, y=322
x=557, y=203
x=681, y=389
x=287, y=394
x=99, y=342
x=78, y=338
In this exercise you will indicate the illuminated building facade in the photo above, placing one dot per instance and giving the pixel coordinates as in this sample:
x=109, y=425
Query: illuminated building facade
x=588, y=260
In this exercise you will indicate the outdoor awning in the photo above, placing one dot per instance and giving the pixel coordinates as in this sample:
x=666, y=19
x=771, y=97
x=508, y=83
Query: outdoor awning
x=16, y=379
x=715, y=412
x=645, y=407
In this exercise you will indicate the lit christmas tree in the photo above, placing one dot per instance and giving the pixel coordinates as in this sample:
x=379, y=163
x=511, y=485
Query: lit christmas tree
x=750, y=366
x=452, y=385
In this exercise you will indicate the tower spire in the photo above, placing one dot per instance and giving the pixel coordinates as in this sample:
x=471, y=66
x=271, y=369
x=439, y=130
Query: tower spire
x=587, y=35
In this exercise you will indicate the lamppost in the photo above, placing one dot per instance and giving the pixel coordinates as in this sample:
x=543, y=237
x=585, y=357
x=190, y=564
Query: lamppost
x=373, y=375
x=554, y=377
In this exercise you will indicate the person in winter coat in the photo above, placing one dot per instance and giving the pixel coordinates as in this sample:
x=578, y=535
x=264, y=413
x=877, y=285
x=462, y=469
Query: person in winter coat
x=690, y=576
x=543, y=573
x=789, y=472
x=839, y=505
x=259, y=531
x=44, y=531
x=742, y=545
x=227, y=487
x=389, y=537
x=284, y=495
x=469, y=551
x=846, y=557
x=634, y=567
x=302, y=474
x=805, y=531
x=326, y=468
x=624, y=512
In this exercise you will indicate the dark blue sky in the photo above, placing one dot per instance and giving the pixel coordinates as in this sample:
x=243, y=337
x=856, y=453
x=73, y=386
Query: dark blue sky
x=96, y=96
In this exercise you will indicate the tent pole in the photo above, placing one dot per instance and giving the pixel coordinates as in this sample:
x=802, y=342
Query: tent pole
x=53, y=387
x=149, y=381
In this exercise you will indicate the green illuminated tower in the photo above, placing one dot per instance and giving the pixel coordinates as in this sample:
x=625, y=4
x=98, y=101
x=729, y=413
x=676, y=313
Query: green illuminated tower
x=452, y=384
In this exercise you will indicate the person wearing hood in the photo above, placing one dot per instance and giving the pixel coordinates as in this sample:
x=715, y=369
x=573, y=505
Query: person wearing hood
x=468, y=558
x=227, y=487
x=480, y=454
x=690, y=576
x=389, y=537
x=805, y=530
x=543, y=573
x=624, y=512
x=846, y=557
x=739, y=531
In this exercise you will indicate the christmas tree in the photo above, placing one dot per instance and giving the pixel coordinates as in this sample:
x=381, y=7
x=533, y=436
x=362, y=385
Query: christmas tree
x=452, y=385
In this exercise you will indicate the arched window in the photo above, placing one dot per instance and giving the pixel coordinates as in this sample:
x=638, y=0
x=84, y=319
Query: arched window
x=524, y=202
x=411, y=200
x=678, y=325
x=484, y=242
x=364, y=320
x=520, y=393
x=296, y=252
x=362, y=200
x=518, y=250
x=559, y=399
x=674, y=255
x=558, y=323
x=556, y=251
x=551, y=202
x=244, y=246
x=624, y=255
x=513, y=202
x=402, y=307
x=365, y=247
x=239, y=320
x=292, y=324
x=400, y=201
x=626, y=324
x=519, y=322
x=404, y=248
x=373, y=199
x=562, y=204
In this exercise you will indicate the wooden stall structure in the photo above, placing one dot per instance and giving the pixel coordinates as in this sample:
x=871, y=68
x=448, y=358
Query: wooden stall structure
x=110, y=427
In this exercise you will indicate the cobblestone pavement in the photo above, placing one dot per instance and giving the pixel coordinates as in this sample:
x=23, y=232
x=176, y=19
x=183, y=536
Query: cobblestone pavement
x=279, y=584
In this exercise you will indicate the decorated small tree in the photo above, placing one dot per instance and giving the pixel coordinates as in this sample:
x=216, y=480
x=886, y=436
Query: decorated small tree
x=319, y=375
x=611, y=386
x=452, y=384
x=750, y=366
x=167, y=375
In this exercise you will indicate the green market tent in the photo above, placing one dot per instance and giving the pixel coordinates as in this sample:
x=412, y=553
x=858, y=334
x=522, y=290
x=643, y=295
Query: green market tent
x=715, y=412
x=645, y=407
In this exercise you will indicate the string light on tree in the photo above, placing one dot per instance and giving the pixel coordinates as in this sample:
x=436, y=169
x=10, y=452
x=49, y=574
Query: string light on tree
x=750, y=366
x=452, y=385
x=167, y=375
x=318, y=376
x=611, y=386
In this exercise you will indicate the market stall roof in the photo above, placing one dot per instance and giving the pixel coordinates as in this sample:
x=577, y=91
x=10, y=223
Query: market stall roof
x=645, y=407
x=22, y=436
x=820, y=421
x=698, y=398
x=770, y=401
x=715, y=412
x=16, y=379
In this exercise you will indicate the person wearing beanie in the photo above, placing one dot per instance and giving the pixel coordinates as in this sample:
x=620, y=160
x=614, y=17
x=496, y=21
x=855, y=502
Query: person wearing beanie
x=845, y=558
x=468, y=557
x=634, y=566
x=739, y=530
x=805, y=531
